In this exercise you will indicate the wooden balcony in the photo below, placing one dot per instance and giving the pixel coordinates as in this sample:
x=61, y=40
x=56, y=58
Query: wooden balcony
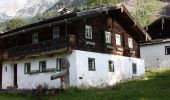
x=61, y=44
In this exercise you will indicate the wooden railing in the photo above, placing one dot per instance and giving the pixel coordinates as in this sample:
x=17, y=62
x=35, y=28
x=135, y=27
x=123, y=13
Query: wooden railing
x=67, y=43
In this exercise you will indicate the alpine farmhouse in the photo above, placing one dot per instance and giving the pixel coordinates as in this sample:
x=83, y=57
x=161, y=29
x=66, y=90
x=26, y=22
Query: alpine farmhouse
x=101, y=44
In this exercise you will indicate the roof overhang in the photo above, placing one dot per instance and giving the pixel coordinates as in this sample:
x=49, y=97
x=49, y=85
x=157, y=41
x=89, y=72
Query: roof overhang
x=144, y=36
x=134, y=24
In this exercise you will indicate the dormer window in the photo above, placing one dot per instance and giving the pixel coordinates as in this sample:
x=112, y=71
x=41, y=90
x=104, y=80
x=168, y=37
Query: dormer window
x=88, y=32
x=108, y=37
x=35, y=38
x=118, y=39
x=130, y=43
x=56, y=32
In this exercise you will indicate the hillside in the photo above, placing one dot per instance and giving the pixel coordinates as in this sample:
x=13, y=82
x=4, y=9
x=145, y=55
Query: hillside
x=24, y=8
x=154, y=86
x=146, y=11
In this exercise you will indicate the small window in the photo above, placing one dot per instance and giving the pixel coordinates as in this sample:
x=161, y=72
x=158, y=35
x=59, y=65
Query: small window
x=56, y=32
x=167, y=50
x=6, y=68
x=91, y=64
x=27, y=68
x=58, y=64
x=130, y=42
x=35, y=38
x=108, y=37
x=134, y=68
x=118, y=39
x=42, y=66
x=88, y=32
x=111, y=66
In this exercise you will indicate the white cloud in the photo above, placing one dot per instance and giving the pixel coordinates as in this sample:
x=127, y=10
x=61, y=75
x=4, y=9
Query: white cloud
x=10, y=7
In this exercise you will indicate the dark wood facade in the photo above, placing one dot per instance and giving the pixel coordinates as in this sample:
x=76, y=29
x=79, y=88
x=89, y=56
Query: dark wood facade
x=18, y=43
x=159, y=29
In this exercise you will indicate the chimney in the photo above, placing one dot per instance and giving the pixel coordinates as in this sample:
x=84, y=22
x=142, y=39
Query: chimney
x=64, y=11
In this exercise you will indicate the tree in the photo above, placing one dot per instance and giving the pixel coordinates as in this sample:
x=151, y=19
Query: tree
x=14, y=23
x=94, y=3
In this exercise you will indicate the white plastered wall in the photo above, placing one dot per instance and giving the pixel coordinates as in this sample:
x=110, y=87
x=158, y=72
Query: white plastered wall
x=27, y=81
x=78, y=68
x=154, y=56
x=101, y=76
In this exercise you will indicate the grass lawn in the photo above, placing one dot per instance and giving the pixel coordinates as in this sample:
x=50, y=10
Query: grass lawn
x=155, y=86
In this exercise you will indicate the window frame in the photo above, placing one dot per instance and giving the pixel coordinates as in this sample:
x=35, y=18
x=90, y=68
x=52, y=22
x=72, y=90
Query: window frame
x=118, y=39
x=134, y=71
x=56, y=32
x=130, y=43
x=41, y=69
x=58, y=64
x=108, y=37
x=111, y=67
x=88, y=32
x=6, y=69
x=26, y=71
x=91, y=65
x=166, y=52
x=35, y=39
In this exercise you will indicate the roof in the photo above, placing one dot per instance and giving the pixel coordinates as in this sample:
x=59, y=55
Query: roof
x=73, y=16
x=136, y=24
x=158, y=20
x=159, y=29
x=156, y=41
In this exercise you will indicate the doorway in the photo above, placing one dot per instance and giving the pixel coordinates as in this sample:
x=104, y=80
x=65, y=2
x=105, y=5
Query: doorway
x=0, y=76
x=15, y=76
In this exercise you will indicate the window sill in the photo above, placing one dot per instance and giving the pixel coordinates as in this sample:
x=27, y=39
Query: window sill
x=33, y=72
x=111, y=71
x=50, y=70
x=92, y=70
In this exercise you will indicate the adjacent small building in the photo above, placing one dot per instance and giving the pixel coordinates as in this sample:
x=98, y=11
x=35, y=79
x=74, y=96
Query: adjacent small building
x=156, y=53
x=102, y=46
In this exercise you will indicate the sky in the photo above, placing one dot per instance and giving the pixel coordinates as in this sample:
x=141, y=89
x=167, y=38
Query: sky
x=5, y=3
x=11, y=6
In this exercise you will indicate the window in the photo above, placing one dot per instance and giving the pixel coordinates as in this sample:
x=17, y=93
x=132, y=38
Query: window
x=42, y=66
x=130, y=42
x=58, y=64
x=111, y=66
x=35, y=38
x=118, y=39
x=6, y=69
x=27, y=68
x=108, y=37
x=56, y=32
x=134, y=68
x=167, y=50
x=91, y=64
x=88, y=32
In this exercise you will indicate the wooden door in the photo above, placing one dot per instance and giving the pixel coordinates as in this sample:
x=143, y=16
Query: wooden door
x=15, y=76
x=0, y=76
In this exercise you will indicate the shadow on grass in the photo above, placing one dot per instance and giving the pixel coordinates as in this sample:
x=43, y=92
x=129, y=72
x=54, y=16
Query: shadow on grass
x=154, y=86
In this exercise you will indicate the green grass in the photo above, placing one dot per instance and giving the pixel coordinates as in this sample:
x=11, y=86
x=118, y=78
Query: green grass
x=154, y=86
